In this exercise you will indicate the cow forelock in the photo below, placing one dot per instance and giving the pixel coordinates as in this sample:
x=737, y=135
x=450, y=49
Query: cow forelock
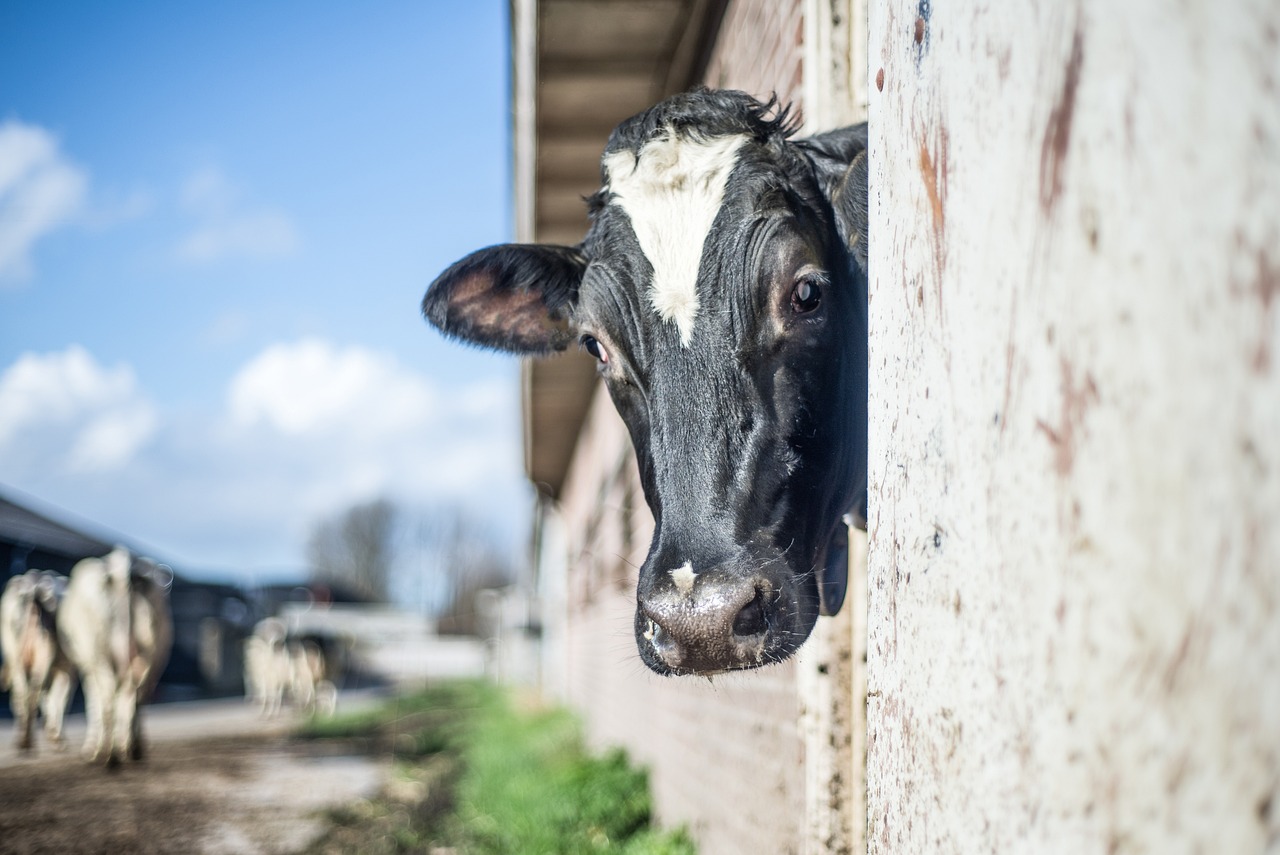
x=671, y=191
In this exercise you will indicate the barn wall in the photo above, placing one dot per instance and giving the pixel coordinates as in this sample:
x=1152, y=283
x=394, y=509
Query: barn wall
x=1075, y=427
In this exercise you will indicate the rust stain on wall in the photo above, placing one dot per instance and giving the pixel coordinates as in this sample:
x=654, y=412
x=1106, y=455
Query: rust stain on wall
x=1180, y=656
x=1057, y=135
x=1010, y=354
x=1265, y=287
x=1076, y=400
x=1258, y=282
x=933, y=171
x=929, y=171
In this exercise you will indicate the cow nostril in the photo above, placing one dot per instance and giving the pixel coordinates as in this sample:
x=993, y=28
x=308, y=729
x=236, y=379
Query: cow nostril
x=659, y=638
x=750, y=619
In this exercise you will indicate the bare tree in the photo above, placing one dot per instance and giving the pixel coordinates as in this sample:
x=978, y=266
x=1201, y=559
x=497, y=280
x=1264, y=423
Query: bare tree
x=355, y=549
x=465, y=559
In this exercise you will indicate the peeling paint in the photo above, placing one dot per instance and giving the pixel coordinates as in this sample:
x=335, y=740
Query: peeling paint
x=920, y=29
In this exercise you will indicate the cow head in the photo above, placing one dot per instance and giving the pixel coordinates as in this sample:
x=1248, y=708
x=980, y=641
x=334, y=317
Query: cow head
x=721, y=289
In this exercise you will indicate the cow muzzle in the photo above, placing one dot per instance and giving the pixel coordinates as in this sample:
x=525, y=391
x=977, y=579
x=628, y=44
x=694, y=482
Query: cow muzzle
x=714, y=622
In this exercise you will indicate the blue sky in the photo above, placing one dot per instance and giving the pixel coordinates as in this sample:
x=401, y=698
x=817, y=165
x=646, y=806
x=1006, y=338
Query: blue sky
x=216, y=223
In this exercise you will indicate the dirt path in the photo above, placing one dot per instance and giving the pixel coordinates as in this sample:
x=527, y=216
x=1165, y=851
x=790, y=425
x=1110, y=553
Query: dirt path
x=239, y=787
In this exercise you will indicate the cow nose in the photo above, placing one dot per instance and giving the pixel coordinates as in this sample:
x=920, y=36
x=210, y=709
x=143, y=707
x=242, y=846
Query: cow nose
x=710, y=625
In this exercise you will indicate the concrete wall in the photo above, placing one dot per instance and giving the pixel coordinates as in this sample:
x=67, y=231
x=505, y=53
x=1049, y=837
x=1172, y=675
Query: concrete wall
x=1075, y=386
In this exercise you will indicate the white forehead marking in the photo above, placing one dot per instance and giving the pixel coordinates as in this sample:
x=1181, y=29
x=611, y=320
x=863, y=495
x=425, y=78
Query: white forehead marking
x=672, y=193
x=683, y=576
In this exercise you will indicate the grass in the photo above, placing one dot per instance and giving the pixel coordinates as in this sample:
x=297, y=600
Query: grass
x=480, y=774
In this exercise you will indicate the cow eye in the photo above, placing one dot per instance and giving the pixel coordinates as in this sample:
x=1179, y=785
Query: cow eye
x=806, y=295
x=595, y=348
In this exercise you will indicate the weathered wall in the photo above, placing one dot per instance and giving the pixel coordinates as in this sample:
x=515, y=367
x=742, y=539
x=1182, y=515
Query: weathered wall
x=1075, y=386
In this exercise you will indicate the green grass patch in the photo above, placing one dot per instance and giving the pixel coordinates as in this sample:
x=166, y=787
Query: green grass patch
x=484, y=775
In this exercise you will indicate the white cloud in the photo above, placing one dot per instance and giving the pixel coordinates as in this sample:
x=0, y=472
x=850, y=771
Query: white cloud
x=305, y=429
x=227, y=227
x=111, y=438
x=40, y=190
x=83, y=417
x=321, y=427
x=310, y=387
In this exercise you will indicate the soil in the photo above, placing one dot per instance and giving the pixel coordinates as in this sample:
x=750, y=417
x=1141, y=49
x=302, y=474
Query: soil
x=244, y=794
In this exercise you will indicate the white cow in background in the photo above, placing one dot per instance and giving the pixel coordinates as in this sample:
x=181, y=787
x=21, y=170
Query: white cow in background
x=266, y=665
x=115, y=625
x=310, y=689
x=36, y=670
x=276, y=665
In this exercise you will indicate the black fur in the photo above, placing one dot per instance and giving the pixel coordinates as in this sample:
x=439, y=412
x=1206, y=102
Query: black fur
x=512, y=297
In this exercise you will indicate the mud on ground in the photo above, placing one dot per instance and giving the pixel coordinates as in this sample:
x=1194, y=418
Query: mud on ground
x=242, y=795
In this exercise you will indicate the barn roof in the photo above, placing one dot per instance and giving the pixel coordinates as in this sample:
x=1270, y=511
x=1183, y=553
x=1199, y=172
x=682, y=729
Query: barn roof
x=580, y=67
x=21, y=525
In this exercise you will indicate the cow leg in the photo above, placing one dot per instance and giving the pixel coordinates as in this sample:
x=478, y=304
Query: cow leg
x=275, y=689
x=137, y=748
x=126, y=700
x=21, y=701
x=326, y=697
x=99, y=711
x=56, y=698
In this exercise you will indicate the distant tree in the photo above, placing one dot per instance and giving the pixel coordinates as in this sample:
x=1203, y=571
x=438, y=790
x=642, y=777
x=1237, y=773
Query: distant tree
x=354, y=550
x=465, y=559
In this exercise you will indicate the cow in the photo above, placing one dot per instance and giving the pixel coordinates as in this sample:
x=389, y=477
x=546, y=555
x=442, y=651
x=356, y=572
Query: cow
x=37, y=672
x=310, y=689
x=721, y=288
x=115, y=626
x=277, y=666
x=267, y=668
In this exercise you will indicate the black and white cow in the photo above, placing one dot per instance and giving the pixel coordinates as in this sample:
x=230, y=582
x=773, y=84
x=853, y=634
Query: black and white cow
x=722, y=289
x=115, y=625
x=36, y=669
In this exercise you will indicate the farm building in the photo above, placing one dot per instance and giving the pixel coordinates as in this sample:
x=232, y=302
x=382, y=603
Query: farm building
x=1062, y=632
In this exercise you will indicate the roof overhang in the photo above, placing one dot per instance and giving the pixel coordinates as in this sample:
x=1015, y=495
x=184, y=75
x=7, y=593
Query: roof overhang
x=580, y=67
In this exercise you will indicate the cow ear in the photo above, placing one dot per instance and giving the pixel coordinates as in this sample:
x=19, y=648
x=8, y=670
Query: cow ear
x=514, y=297
x=839, y=161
